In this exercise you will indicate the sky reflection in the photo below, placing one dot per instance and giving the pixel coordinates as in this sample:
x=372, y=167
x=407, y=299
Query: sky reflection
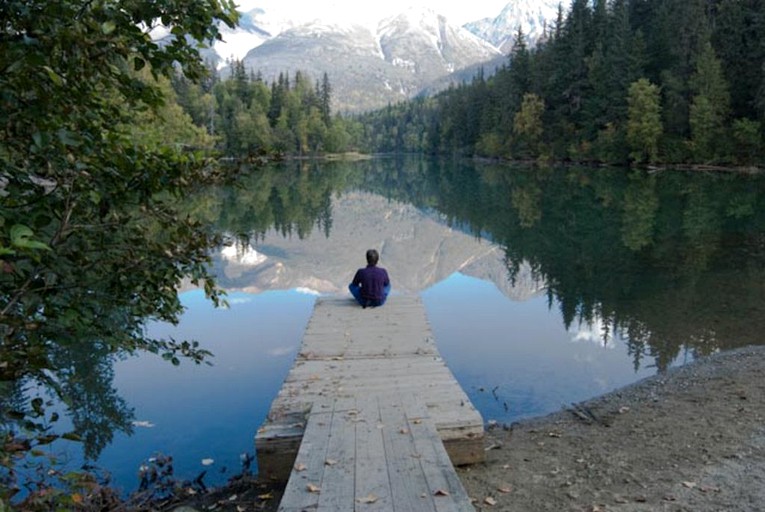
x=516, y=359
x=200, y=412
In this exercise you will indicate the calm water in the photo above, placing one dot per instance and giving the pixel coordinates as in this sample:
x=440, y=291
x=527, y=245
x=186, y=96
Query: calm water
x=542, y=287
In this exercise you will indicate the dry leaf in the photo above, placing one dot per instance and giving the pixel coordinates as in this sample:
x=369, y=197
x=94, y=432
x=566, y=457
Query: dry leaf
x=330, y=462
x=313, y=488
x=689, y=485
x=370, y=498
x=417, y=422
x=300, y=467
x=553, y=434
x=507, y=489
x=441, y=492
x=490, y=501
x=404, y=431
x=506, y=466
x=232, y=497
x=624, y=409
x=266, y=496
x=240, y=508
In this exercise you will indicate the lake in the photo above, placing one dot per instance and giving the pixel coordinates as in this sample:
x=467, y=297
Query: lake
x=542, y=286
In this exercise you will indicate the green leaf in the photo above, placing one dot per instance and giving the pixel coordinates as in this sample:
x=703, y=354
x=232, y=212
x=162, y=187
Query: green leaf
x=67, y=138
x=21, y=236
x=139, y=63
x=71, y=436
x=54, y=77
x=108, y=27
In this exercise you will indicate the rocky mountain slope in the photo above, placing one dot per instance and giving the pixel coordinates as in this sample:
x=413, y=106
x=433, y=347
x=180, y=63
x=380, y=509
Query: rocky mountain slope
x=372, y=62
x=371, y=69
x=532, y=16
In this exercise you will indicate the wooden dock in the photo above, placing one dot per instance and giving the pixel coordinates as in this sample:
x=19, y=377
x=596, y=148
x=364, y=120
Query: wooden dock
x=370, y=417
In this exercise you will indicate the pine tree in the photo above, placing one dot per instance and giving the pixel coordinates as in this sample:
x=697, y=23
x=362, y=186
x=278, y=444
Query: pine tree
x=710, y=105
x=644, y=124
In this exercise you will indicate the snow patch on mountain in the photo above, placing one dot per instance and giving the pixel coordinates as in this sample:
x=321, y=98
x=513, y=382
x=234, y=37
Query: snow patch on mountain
x=532, y=16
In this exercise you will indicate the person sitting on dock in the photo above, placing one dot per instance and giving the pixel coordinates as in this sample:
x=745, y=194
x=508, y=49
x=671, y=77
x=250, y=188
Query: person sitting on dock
x=370, y=285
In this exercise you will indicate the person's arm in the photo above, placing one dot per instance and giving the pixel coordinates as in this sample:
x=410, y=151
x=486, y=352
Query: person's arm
x=357, y=278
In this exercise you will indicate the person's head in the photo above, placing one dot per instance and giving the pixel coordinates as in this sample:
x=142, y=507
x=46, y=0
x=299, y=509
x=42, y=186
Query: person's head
x=372, y=257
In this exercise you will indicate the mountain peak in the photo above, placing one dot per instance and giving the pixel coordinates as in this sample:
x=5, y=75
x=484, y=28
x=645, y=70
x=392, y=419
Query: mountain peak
x=530, y=15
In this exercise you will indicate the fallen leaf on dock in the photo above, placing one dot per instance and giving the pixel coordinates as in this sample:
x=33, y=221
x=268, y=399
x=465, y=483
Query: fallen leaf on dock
x=313, y=488
x=417, y=422
x=441, y=492
x=300, y=467
x=370, y=498
x=689, y=485
x=404, y=431
x=507, y=489
x=490, y=501
x=330, y=462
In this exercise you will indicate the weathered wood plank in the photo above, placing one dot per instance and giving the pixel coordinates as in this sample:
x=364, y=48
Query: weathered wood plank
x=338, y=492
x=304, y=486
x=408, y=484
x=372, y=485
x=438, y=470
x=381, y=402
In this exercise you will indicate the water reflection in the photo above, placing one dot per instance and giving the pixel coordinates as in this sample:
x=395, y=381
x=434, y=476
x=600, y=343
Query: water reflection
x=542, y=286
x=669, y=261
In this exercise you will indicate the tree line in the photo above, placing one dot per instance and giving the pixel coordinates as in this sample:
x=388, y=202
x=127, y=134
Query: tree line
x=248, y=117
x=614, y=81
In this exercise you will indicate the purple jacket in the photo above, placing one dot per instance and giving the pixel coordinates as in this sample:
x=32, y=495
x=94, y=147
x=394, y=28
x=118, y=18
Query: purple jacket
x=372, y=281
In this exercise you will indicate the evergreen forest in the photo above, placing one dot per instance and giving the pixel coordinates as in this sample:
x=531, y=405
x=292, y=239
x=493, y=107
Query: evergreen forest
x=612, y=81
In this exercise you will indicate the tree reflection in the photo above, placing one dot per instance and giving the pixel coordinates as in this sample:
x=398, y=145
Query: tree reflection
x=672, y=260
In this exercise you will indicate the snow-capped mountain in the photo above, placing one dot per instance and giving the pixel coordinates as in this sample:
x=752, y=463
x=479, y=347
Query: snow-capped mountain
x=372, y=62
x=370, y=68
x=531, y=15
x=423, y=42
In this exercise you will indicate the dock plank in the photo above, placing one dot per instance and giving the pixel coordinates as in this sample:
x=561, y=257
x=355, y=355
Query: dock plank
x=369, y=393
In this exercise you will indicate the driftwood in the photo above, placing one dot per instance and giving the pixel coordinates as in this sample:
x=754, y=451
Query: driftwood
x=585, y=414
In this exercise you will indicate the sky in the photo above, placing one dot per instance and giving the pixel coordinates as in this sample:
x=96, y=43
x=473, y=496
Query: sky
x=457, y=12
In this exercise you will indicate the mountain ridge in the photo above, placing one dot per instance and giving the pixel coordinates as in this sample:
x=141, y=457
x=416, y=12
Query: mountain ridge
x=417, y=51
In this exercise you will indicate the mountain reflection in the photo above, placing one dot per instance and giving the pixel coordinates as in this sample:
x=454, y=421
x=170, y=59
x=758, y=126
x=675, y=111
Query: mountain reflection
x=671, y=261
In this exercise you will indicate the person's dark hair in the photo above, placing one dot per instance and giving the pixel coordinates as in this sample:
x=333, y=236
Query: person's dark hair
x=372, y=257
